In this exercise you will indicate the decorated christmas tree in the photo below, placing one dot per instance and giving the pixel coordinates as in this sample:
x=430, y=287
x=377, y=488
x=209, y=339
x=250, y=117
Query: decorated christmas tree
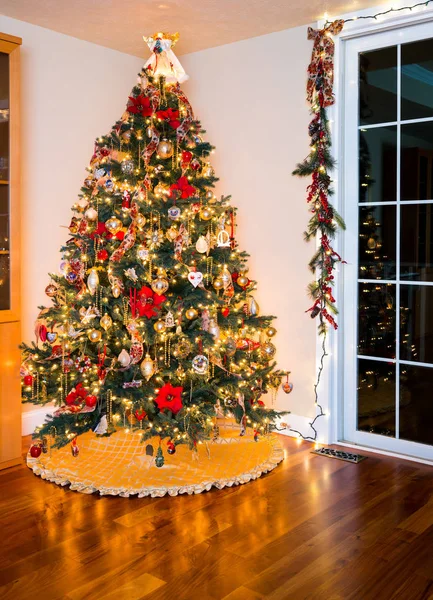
x=153, y=324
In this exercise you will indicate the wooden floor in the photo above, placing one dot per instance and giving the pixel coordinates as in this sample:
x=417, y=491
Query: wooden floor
x=312, y=528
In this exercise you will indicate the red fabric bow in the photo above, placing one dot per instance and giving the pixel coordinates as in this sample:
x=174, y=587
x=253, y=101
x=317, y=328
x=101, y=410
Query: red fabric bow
x=76, y=395
x=140, y=105
x=169, y=397
x=170, y=116
x=182, y=189
x=148, y=302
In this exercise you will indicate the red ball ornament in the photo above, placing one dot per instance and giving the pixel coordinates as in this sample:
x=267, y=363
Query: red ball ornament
x=28, y=380
x=195, y=164
x=91, y=401
x=225, y=311
x=186, y=158
x=171, y=448
x=102, y=254
x=35, y=451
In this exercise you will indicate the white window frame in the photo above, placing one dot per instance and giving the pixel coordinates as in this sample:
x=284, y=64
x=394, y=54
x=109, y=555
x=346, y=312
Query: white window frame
x=331, y=391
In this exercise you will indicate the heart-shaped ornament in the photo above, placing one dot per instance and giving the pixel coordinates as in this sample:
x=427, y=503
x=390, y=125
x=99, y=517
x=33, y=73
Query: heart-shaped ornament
x=195, y=277
x=51, y=336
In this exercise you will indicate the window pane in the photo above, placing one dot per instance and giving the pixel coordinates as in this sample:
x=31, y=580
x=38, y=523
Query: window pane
x=416, y=242
x=377, y=242
x=417, y=80
x=378, y=164
x=4, y=188
x=416, y=404
x=376, y=320
x=376, y=397
x=378, y=86
x=416, y=322
x=417, y=161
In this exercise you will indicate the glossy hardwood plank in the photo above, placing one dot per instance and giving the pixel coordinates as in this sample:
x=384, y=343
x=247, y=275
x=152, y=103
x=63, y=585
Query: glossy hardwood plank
x=314, y=528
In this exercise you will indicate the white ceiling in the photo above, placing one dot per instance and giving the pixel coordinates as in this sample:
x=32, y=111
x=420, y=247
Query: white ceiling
x=120, y=24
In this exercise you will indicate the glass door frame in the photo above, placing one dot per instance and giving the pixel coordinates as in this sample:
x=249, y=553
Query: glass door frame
x=347, y=157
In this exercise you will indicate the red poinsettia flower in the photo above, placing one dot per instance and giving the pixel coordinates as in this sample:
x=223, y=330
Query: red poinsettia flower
x=170, y=116
x=140, y=105
x=148, y=303
x=182, y=188
x=100, y=230
x=169, y=397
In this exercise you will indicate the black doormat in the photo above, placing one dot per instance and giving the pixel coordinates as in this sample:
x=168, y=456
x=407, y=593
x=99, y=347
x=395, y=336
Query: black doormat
x=339, y=455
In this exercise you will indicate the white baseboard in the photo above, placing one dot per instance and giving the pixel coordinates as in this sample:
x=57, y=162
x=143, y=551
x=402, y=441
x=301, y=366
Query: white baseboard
x=297, y=422
x=32, y=418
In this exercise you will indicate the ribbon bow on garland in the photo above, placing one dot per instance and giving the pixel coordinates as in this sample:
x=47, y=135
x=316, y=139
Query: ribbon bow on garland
x=322, y=63
x=324, y=221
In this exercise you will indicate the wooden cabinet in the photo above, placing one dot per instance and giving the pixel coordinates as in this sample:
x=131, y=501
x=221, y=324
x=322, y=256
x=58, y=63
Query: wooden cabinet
x=10, y=329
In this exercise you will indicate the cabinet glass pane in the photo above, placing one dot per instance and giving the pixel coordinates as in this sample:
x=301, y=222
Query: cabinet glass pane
x=378, y=164
x=376, y=320
x=417, y=161
x=416, y=404
x=377, y=247
x=376, y=397
x=417, y=80
x=378, y=86
x=416, y=242
x=4, y=188
x=416, y=323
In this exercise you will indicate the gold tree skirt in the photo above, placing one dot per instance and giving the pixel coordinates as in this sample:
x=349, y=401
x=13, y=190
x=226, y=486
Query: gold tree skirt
x=118, y=465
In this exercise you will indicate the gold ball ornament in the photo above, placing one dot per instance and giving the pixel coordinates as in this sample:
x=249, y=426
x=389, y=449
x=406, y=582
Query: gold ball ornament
x=218, y=283
x=205, y=213
x=271, y=331
x=116, y=291
x=106, y=322
x=191, y=313
x=147, y=367
x=140, y=221
x=91, y=214
x=268, y=350
x=243, y=281
x=114, y=225
x=159, y=326
x=94, y=335
x=160, y=284
x=164, y=149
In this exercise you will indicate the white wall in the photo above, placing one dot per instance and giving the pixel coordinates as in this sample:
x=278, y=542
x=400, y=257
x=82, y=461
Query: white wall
x=250, y=97
x=72, y=92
